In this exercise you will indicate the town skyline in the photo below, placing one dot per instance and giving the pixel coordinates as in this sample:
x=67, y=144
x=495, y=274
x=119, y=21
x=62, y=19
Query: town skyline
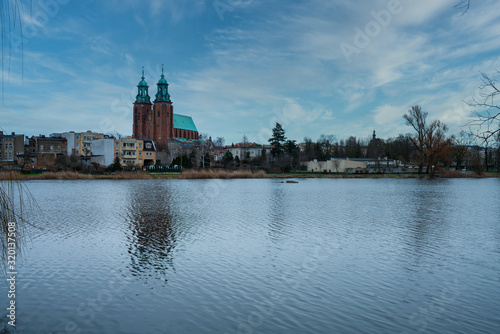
x=331, y=69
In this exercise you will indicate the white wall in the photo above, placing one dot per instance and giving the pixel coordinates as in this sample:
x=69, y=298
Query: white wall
x=103, y=151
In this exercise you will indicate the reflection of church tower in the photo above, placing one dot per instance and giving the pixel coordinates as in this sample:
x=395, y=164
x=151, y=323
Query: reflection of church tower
x=142, y=108
x=163, y=113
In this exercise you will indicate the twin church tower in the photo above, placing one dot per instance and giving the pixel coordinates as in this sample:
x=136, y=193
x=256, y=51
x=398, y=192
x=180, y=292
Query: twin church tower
x=156, y=121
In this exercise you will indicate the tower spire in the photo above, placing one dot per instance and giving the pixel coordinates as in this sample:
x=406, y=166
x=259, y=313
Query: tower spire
x=142, y=91
x=162, y=92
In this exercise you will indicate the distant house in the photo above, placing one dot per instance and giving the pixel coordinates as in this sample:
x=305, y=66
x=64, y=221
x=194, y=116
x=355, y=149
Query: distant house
x=11, y=146
x=134, y=152
x=244, y=150
x=79, y=143
x=42, y=152
x=358, y=165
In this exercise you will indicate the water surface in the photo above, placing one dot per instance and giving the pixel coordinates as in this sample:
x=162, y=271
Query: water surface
x=261, y=256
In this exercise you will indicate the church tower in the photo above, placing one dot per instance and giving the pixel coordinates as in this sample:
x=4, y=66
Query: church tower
x=142, y=111
x=163, y=112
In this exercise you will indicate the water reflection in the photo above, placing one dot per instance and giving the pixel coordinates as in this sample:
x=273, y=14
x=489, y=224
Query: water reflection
x=277, y=211
x=152, y=232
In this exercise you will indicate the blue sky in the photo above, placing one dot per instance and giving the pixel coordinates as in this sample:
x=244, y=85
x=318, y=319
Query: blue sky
x=332, y=67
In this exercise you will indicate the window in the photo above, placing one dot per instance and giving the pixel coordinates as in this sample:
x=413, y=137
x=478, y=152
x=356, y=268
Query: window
x=51, y=147
x=58, y=147
x=77, y=144
x=158, y=113
x=77, y=137
x=116, y=144
x=148, y=145
x=77, y=152
x=140, y=145
x=117, y=153
x=41, y=147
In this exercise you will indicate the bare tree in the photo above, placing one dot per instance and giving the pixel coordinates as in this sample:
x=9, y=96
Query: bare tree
x=485, y=109
x=219, y=142
x=461, y=146
x=430, y=142
x=417, y=120
x=244, y=140
x=463, y=5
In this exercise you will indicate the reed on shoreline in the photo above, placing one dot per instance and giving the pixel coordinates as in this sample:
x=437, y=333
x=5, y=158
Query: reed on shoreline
x=16, y=175
x=222, y=174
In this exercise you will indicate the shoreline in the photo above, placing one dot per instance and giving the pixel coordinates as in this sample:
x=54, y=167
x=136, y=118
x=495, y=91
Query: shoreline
x=219, y=174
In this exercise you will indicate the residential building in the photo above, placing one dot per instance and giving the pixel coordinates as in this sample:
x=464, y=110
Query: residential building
x=42, y=152
x=246, y=150
x=11, y=146
x=78, y=143
x=361, y=165
x=134, y=152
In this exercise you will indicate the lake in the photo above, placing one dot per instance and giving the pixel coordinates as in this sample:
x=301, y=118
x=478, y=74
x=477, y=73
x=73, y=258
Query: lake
x=261, y=256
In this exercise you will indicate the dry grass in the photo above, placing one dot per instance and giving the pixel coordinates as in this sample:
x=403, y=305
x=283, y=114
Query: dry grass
x=138, y=175
x=60, y=176
x=16, y=175
x=455, y=174
x=10, y=175
x=222, y=174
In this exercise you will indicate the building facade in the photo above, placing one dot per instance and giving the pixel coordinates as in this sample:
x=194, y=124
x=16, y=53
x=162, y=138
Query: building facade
x=156, y=121
x=42, y=152
x=135, y=153
x=11, y=146
x=79, y=143
x=103, y=151
x=246, y=150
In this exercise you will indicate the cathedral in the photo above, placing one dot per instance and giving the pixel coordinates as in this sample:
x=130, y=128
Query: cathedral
x=156, y=121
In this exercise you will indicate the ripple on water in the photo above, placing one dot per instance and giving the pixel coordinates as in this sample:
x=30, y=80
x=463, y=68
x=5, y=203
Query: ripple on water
x=320, y=256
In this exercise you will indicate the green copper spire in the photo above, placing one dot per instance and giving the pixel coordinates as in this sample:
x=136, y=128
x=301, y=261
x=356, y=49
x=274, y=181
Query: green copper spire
x=142, y=91
x=162, y=93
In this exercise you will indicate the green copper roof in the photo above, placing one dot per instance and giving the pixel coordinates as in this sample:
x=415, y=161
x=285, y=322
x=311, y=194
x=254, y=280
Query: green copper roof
x=184, y=123
x=162, y=80
x=143, y=82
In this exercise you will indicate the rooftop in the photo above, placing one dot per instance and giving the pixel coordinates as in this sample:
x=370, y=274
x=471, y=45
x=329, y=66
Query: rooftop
x=184, y=123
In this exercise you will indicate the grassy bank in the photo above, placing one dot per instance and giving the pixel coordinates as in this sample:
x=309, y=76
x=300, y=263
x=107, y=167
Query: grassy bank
x=15, y=175
x=225, y=174
x=222, y=174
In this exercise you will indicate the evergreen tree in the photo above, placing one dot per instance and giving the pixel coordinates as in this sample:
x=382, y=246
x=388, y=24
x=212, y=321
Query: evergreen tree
x=227, y=158
x=277, y=140
x=116, y=166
